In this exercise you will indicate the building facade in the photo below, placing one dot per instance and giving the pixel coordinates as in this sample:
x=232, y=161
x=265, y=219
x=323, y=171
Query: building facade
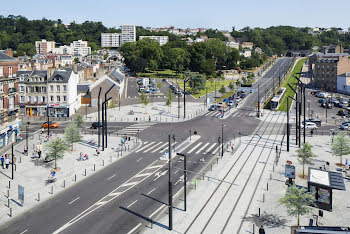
x=324, y=69
x=44, y=47
x=343, y=83
x=9, y=124
x=63, y=100
x=32, y=92
x=128, y=33
x=110, y=39
x=162, y=40
x=80, y=47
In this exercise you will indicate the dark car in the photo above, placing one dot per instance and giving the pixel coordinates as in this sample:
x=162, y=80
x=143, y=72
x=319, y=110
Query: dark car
x=172, y=87
x=187, y=92
x=243, y=95
x=318, y=122
x=95, y=125
x=326, y=105
x=164, y=79
x=337, y=104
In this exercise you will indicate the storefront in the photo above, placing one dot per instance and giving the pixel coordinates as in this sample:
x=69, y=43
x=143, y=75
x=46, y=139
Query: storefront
x=35, y=110
x=10, y=134
x=58, y=110
x=321, y=183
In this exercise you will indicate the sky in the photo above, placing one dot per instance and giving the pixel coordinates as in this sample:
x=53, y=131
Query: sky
x=216, y=14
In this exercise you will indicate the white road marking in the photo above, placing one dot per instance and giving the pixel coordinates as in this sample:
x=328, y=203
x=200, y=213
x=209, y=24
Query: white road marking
x=156, y=211
x=152, y=147
x=160, y=147
x=128, y=184
x=24, y=231
x=176, y=171
x=195, y=147
x=138, y=160
x=143, y=175
x=145, y=146
x=111, y=177
x=208, y=150
x=216, y=150
x=202, y=148
x=74, y=200
x=154, y=167
x=131, y=204
x=151, y=191
x=159, y=174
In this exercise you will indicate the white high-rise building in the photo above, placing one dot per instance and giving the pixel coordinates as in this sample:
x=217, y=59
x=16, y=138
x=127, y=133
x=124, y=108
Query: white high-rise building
x=128, y=33
x=162, y=40
x=44, y=47
x=110, y=39
x=80, y=47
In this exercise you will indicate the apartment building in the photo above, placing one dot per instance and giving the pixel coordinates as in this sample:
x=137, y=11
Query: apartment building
x=324, y=69
x=80, y=47
x=63, y=100
x=128, y=33
x=32, y=92
x=110, y=39
x=162, y=40
x=44, y=47
x=332, y=49
x=9, y=124
x=247, y=45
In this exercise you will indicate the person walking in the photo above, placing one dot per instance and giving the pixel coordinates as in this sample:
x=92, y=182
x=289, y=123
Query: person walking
x=7, y=162
x=39, y=153
x=25, y=150
x=98, y=151
x=2, y=161
x=261, y=230
x=42, y=130
x=232, y=148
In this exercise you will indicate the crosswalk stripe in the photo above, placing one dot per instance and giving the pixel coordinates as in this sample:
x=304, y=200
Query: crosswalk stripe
x=136, y=127
x=208, y=113
x=166, y=149
x=144, y=147
x=216, y=150
x=160, y=147
x=143, y=124
x=208, y=150
x=128, y=184
x=143, y=175
x=152, y=147
x=195, y=147
x=202, y=148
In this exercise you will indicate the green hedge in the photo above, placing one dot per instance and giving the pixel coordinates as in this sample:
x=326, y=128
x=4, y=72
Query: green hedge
x=291, y=80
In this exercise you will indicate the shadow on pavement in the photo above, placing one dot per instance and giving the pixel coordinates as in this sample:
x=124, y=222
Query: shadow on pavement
x=267, y=220
x=160, y=201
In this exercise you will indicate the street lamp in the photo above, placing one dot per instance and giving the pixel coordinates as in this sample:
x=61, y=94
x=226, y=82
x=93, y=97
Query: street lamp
x=303, y=92
x=296, y=114
x=288, y=126
x=222, y=141
x=219, y=141
x=185, y=80
x=27, y=128
x=185, y=179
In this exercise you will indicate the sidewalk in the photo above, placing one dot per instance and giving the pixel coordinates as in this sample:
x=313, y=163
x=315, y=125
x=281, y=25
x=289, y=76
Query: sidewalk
x=31, y=173
x=154, y=112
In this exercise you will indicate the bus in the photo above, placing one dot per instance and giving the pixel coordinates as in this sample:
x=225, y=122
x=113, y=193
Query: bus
x=278, y=98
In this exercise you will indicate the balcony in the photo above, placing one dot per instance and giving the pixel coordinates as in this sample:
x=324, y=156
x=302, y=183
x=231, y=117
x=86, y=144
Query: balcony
x=12, y=90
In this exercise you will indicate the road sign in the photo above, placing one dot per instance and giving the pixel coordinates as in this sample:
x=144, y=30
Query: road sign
x=290, y=171
x=21, y=193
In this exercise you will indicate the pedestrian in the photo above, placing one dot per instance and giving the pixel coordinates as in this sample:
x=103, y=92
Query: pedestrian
x=2, y=161
x=149, y=118
x=98, y=151
x=42, y=130
x=25, y=150
x=261, y=230
x=39, y=153
x=232, y=148
x=312, y=133
x=7, y=162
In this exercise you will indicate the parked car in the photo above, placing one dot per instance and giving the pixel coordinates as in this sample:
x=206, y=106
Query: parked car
x=172, y=87
x=187, y=92
x=52, y=125
x=337, y=104
x=322, y=100
x=243, y=95
x=318, y=122
x=322, y=95
x=95, y=125
x=309, y=125
x=164, y=80
x=230, y=103
x=326, y=105
x=343, y=112
x=345, y=126
x=213, y=107
x=344, y=102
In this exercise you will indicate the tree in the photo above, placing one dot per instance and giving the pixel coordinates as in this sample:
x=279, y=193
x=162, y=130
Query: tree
x=79, y=121
x=159, y=85
x=297, y=201
x=105, y=56
x=341, y=145
x=169, y=98
x=138, y=65
x=111, y=104
x=305, y=155
x=222, y=90
x=56, y=149
x=144, y=99
x=71, y=134
x=196, y=82
x=231, y=86
x=207, y=67
x=76, y=60
x=26, y=49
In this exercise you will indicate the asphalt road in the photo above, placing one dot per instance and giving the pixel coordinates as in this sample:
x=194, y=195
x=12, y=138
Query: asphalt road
x=131, y=206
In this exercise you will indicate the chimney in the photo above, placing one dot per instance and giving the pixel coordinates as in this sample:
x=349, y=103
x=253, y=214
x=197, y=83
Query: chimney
x=50, y=71
x=9, y=52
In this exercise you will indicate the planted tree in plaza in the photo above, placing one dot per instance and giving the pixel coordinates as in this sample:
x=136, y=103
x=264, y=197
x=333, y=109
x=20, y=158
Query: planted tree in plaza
x=159, y=85
x=222, y=90
x=168, y=100
x=196, y=82
x=341, y=145
x=79, y=121
x=111, y=104
x=55, y=150
x=305, y=155
x=297, y=201
x=144, y=99
x=231, y=86
x=71, y=134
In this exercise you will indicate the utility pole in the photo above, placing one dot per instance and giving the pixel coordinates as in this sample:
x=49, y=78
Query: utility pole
x=170, y=189
x=288, y=124
x=258, y=101
x=178, y=103
x=103, y=127
x=300, y=109
x=48, y=121
x=99, y=124
x=12, y=160
x=222, y=141
x=185, y=179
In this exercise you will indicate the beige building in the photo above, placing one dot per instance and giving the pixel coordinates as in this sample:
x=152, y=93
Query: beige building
x=162, y=40
x=44, y=47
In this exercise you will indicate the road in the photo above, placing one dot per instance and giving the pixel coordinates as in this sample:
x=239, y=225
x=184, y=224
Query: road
x=116, y=199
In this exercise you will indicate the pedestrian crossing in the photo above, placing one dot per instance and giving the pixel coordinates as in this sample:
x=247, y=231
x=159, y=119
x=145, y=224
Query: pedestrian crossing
x=233, y=114
x=192, y=148
x=135, y=128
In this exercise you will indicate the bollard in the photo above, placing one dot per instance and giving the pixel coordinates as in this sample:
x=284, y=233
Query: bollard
x=85, y=172
x=263, y=197
x=270, y=176
x=8, y=202
x=110, y=158
x=273, y=168
x=20, y=159
x=8, y=193
x=10, y=212
x=259, y=211
x=253, y=228
x=51, y=189
x=103, y=162
x=267, y=186
x=195, y=185
x=9, y=184
x=94, y=167
x=217, y=160
x=128, y=148
x=211, y=167
x=203, y=176
x=38, y=196
x=75, y=177
x=64, y=183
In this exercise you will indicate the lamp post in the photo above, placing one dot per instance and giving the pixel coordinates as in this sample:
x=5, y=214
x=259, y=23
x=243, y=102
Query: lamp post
x=206, y=97
x=48, y=120
x=288, y=126
x=296, y=114
x=219, y=141
x=27, y=130
x=178, y=102
x=185, y=179
x=105, y=109
x=99, y=121
x=170, y=189
x=185, y=80
x=222, y=141
x=303, y=93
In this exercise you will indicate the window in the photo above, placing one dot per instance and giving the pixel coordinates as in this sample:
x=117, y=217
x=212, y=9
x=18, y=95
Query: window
x=43, y=99
x=43, y=89
x=1, y=103
x=58, y=98
x=21, y=99
x=65, y=88
x=11, y=85
x=11, y=102
x=64, y=98
x=36, y=99
x=51, y=98
x=21, y=88
x=10, y=71
x=51, y=88
x=58, y=88
x=1, y=87
x=1, y=71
